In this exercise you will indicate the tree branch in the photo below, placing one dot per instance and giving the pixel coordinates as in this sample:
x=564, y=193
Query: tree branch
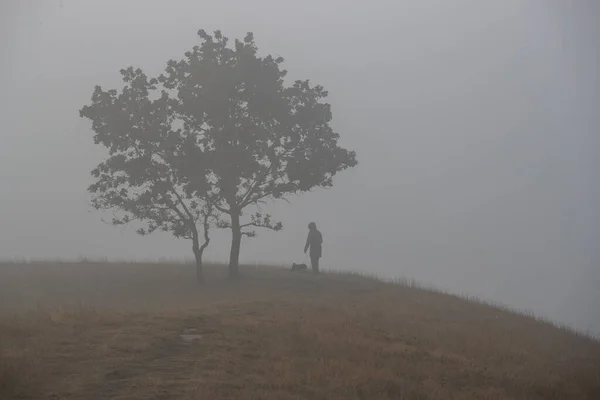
x=254, y=185
x=221, y=209
x=260, y=221
x=206, y=225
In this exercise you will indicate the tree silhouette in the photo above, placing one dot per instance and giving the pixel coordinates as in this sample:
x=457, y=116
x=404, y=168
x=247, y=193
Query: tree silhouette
x=223, y=130
x=143, y=179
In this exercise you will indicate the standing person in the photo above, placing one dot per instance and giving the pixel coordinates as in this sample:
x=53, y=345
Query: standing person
x=314, y=241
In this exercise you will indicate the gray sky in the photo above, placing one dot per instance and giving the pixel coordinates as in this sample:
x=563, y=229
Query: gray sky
x=475, y=124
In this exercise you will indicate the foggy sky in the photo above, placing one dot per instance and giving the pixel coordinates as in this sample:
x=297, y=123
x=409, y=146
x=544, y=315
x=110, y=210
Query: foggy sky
x=476, y=126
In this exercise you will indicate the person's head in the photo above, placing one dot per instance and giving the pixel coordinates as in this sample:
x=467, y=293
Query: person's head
x=312, y=226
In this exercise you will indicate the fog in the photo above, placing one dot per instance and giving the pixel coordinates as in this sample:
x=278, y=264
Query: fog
x=475, y=125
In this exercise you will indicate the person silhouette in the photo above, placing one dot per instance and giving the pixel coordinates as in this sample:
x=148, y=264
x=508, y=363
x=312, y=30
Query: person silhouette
x=314, y=241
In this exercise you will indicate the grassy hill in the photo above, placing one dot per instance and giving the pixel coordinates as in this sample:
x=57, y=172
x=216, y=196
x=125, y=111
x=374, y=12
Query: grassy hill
x=145, y=331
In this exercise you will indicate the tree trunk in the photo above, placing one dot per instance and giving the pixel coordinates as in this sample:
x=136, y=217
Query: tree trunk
x=198, y=252
x=236, y=241
x=199, y=269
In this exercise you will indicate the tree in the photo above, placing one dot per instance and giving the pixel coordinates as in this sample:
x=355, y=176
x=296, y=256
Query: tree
x=234, y=134
x=261, y=139
x=142, y=180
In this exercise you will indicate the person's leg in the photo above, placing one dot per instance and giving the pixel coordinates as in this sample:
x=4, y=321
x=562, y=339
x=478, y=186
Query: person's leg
x=314, y=261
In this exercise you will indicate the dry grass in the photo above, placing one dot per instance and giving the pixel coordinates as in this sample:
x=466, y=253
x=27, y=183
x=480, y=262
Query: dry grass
x=105, y=331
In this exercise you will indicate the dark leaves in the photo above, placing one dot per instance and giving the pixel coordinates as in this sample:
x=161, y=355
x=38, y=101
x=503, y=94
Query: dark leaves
x=217, y=128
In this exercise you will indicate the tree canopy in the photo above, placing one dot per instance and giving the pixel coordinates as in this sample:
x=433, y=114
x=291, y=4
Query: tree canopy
x=216, y=133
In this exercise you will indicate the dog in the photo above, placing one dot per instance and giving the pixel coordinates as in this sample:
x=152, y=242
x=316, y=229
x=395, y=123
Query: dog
x=299, y=267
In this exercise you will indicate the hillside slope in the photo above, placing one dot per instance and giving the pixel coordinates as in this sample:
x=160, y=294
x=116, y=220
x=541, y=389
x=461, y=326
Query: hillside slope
x=135, y=331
